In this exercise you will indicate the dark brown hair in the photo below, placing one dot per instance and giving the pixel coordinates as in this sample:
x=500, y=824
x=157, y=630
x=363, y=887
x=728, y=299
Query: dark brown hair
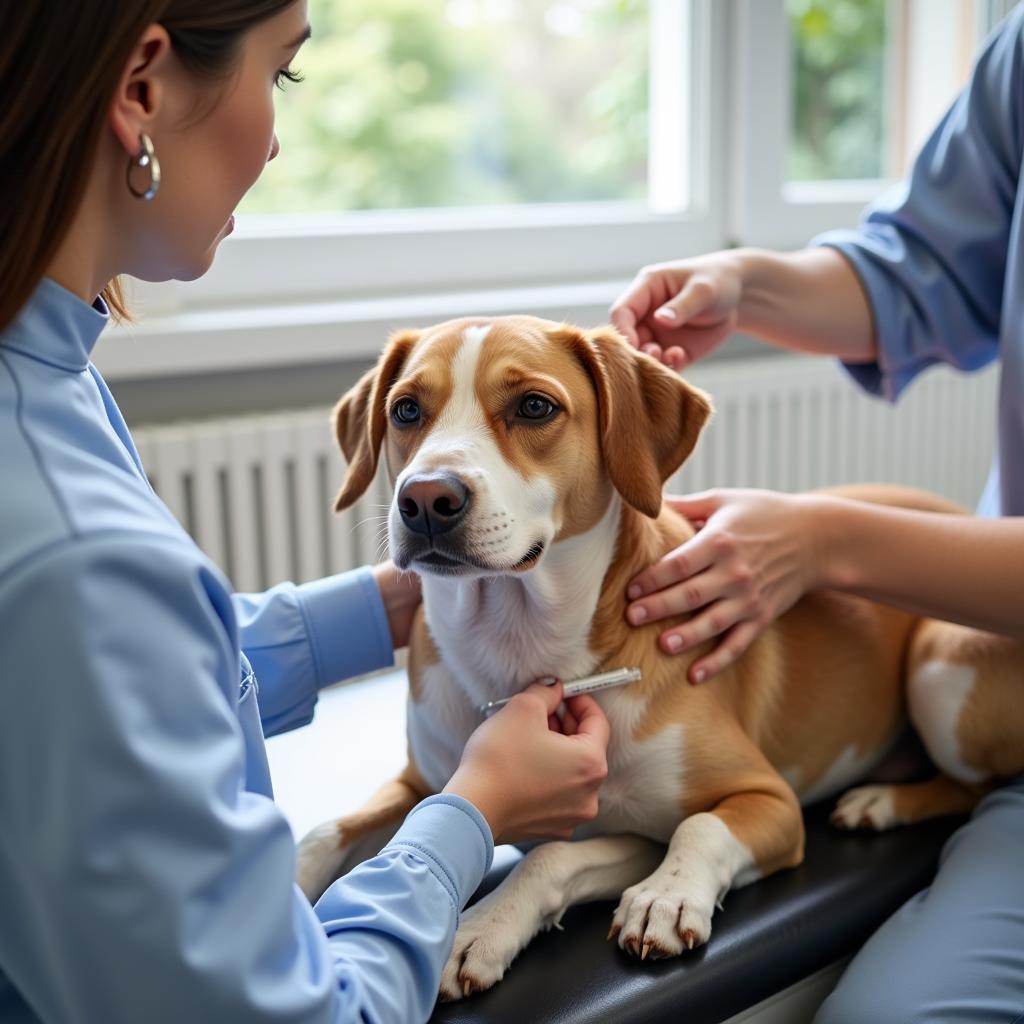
x=60, y=62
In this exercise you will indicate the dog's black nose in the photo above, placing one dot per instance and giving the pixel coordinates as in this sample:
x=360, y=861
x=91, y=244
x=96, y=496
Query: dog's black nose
x=433, y=504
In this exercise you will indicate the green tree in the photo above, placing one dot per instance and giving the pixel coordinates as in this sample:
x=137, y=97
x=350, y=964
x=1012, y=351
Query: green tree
x=838, y=128
x=402, y=108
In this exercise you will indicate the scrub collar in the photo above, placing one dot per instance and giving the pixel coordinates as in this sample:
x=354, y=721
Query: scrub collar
x=56, y=327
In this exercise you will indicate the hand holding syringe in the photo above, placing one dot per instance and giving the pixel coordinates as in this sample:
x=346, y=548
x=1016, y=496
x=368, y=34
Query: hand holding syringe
x=585, y=684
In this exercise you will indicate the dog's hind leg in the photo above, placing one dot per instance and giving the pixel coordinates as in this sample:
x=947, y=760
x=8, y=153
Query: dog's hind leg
x=336, y=846
x=885, y=806
x=549, y=879
x=963, y=691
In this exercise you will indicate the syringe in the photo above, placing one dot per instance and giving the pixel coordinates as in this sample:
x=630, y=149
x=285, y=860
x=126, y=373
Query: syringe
x=585, y=684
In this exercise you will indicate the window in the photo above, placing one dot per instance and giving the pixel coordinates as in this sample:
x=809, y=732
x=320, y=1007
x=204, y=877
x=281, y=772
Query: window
x=451, y=157
x=571, y=186
x=839, y=95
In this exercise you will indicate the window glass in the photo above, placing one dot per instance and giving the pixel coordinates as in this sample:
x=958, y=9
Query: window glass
x=838, y=97
x=428, y=103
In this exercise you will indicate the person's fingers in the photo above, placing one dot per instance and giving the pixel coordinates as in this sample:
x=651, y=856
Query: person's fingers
x=699, y=506
x=624, y=319
x=569, y=724
x=590, y=719
x=733, y=645
x=699, y=590
x=676, y=357
x=629, y=311
x=716, y=618
x=550, y=695
x=644, y=336
x=555, y=723
x=697, y=295
x=653, y=350
x=687, y=560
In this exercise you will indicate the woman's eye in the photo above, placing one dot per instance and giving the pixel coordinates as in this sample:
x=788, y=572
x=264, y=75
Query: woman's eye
x=536, y=407
x=405, y=411
x=286, y=74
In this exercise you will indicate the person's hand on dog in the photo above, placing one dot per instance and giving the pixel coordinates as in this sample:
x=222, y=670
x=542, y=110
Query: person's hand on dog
x=679, y=312
x=400, y=592
x=754, y=555
x=529, y=774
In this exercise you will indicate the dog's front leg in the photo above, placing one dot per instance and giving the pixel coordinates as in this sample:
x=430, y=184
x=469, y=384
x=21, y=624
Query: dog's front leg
x=337, y=846
x=538, y=891
x=745, y=836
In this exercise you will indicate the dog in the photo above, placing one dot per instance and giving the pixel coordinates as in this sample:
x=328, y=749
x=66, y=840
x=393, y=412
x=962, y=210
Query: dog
x=528, y=460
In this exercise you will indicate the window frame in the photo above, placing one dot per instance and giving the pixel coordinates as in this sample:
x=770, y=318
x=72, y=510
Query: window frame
x=768, y=210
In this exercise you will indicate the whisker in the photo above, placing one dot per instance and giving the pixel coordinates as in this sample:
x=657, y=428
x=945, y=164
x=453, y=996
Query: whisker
x=380, y=520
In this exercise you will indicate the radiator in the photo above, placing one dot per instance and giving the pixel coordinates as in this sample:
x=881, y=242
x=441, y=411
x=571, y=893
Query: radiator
x=257, y=492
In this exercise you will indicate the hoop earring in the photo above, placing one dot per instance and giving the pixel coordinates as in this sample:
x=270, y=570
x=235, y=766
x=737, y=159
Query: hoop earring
x=145, y=158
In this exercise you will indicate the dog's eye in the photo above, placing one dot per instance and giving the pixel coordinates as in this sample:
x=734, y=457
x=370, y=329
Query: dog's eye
x=405, y=411
x=536, y=407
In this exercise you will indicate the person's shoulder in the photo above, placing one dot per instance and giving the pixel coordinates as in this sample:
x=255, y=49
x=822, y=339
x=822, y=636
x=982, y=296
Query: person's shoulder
x=68, y=477
x=1005, y=44
x=144, y=550
x=122, y=578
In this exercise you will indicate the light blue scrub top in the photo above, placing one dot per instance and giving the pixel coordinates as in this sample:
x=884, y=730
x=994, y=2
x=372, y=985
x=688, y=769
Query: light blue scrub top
x=145, y=871
x=941, y=256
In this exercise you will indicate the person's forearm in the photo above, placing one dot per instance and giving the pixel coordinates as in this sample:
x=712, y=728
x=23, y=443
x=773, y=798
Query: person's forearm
x=810, y=300
x=959, y=568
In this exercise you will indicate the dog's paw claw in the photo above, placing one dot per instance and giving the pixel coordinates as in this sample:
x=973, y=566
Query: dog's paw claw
x=655, y=921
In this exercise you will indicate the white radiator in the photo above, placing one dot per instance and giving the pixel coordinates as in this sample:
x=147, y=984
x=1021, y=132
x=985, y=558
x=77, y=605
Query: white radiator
x=257, y=492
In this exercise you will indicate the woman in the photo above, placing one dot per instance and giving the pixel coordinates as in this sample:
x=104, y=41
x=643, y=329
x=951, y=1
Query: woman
x=145, y=873
x=934, y=274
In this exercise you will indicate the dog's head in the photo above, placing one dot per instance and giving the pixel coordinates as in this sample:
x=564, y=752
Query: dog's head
x=503, y=436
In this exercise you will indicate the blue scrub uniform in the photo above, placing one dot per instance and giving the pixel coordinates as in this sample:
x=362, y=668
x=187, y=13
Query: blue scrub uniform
x=941, y=259
x=145, y=871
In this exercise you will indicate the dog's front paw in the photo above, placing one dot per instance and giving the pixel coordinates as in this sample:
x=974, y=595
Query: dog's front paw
x=866, y=807
x=657, y=918
x=318, y=860
x=482, y=953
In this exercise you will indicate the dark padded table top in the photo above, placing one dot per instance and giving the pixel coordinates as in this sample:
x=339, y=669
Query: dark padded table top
x=769, y=936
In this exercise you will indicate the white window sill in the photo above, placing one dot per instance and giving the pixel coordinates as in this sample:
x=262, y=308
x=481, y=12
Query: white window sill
x=253, y=337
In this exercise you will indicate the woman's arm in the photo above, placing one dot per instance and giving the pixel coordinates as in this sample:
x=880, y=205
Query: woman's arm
x=960, y=568
x=140, y=880
x=808, y=301
x=302, y=638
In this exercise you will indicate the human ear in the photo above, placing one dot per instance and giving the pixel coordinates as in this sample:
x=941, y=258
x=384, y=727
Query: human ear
x=141, y=88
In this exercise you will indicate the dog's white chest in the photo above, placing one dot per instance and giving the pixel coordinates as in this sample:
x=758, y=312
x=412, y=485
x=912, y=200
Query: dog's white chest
x=644, y=789
x=439, y=725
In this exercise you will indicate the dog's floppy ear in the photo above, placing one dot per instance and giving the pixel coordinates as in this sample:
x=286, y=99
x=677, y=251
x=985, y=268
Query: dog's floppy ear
x=360, y=420
x=650, y=417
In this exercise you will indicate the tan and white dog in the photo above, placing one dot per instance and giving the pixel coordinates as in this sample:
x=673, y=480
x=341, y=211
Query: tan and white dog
x=528, y=460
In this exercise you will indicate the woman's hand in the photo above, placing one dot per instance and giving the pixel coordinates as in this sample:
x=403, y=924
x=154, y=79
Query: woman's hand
x=401, y=594
x=530, y=775
x=756, y=553
x=679, y=312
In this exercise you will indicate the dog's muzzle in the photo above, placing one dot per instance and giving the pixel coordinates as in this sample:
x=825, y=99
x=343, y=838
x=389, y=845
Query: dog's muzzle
x=433, y=504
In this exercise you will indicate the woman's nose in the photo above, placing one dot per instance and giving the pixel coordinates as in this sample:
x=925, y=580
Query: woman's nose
x=275, y=148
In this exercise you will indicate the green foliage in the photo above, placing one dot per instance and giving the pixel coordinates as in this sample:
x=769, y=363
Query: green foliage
x=838, y=127
x=420, y=103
